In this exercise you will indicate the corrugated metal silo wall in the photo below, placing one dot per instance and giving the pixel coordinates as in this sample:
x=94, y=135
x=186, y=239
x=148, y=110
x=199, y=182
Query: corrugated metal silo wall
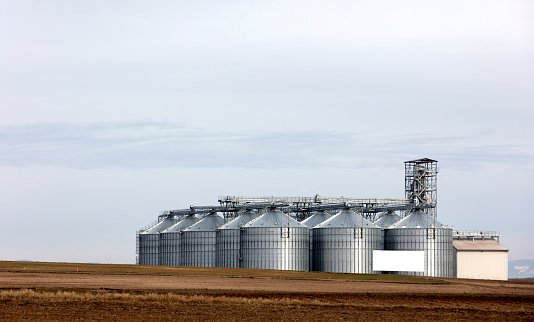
x=170, y=248
x=345, y=250
x=227, y=250
x=198, y=248
x=311, y=267
x=435, y=242
x=148, y=249
x=285, y=248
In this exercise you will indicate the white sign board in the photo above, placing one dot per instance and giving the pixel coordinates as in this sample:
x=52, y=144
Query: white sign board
x=399, y=260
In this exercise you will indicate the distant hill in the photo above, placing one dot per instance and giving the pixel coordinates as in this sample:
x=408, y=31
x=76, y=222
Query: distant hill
x=521, y=268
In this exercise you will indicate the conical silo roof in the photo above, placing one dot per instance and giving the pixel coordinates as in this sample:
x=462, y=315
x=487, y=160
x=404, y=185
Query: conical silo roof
x=316, y=219
x=418, y=219
x=387, y=219
x=347, y=219
x=182, y=224
x=209, y=223
x=162, y=225
x=241, y=220
x=274, y=218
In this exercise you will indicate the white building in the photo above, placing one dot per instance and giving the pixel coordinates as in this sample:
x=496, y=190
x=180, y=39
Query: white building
x=479, y=255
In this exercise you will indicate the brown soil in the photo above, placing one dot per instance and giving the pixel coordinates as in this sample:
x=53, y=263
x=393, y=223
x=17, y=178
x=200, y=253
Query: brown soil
x=63, y=295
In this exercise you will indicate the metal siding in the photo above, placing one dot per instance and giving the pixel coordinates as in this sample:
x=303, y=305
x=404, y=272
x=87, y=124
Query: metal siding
x=492, y=265
x=170, y=242
x=149, y=242
x=285, y=248
x=345, y=250
x=170, y=248
x=228, y=240
x=435, y=242
x=228, y=248
x=314, y=220
x=148, y=249
x=198, y=248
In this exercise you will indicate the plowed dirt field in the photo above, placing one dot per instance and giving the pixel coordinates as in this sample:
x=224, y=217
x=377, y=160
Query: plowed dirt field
x=85, y=292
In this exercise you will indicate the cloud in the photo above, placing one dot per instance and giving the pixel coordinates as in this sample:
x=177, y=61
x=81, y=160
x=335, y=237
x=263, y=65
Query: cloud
x=158, y=145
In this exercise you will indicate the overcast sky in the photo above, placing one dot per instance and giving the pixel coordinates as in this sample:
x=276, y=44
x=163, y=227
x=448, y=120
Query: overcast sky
x=112, y=111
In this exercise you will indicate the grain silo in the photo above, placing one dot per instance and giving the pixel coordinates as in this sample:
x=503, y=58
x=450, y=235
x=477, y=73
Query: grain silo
x=275, y=241
x=387, y=219
x=316, y=218
x=420, y=231
x=384, y=221
x=228, y=240
x=170, y=241
x=345, y=243
x=198, y=242
x=311, y=221
x=148, y=240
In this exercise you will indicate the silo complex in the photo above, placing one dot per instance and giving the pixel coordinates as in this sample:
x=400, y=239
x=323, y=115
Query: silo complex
x=422, y=232
x=149, y=241
x=275, y=241
x=311, y=221
x=345, y=244
x=170, y=242
x=228, y=240
x=261, y=232
x=198, y=242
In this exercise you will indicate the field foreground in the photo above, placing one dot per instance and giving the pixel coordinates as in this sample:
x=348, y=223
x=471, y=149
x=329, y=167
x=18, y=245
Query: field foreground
x=66, y=292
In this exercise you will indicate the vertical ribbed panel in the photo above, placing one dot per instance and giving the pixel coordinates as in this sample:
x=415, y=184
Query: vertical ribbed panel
x=228, y=248
x=435, y=242
x=198, y=248
x=170, y=248
x=311, y=221
x=148, y=249
x=170, y=242
x=345, y=250
x=228, y=240
x=199, y=240
x=149, y=242
x=282, y=248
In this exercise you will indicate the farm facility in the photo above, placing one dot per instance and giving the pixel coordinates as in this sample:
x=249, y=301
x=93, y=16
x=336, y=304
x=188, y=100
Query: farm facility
x=328, y=234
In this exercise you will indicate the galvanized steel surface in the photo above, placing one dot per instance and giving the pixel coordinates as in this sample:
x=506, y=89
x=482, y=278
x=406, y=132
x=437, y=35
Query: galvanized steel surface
x=347, y=218
x=274, y=218
x=198, y=242
x=316, y=218
x=311, y=221
x=418, y=219
x=170, y=241
x=149, y=241
x=275, y=241
x=228, y=240
x=345, y=250
x=345, y=244
x=387, y=219
x=435, y=242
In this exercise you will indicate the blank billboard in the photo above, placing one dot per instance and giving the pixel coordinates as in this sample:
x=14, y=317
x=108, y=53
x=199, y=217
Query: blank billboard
x=399, y=260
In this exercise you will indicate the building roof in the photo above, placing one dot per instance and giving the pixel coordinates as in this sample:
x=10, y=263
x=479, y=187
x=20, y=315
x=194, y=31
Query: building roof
x=418, y=219
x=478, y=245
x=162, y=225
x=182, y=224
x=316, y=219
x=347, y=219
x=209, y=223
x=241, y=220
x=274, y=218
x=387, y=219
x=424, y=160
